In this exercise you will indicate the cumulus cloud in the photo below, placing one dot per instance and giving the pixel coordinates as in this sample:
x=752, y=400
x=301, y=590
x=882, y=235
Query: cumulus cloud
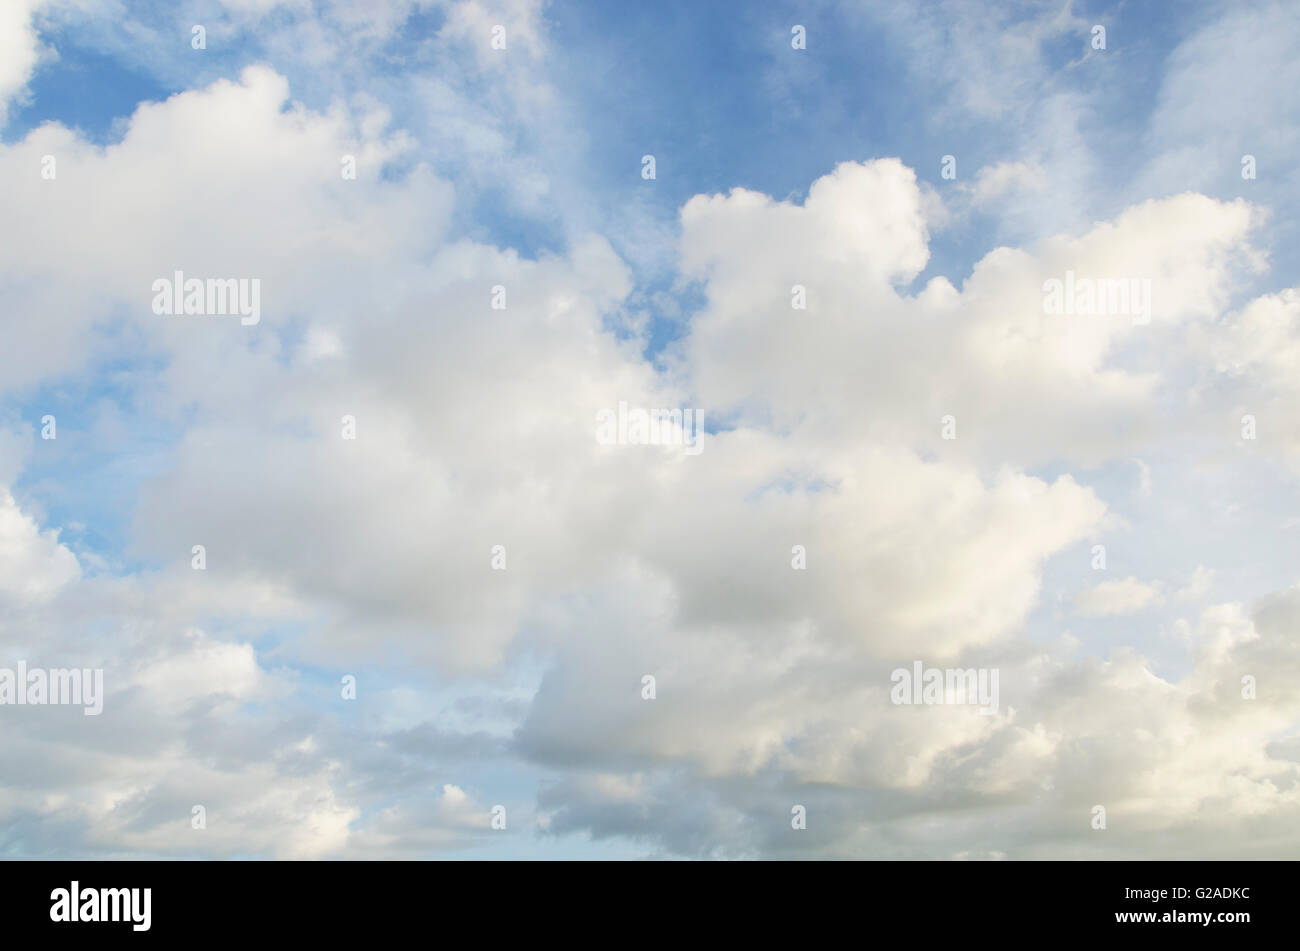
x=895, y=473
x=33, y=565
x=20, y=49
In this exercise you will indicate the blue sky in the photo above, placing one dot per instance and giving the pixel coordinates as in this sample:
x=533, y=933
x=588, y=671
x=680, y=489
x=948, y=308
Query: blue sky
x=637, y=78
x=522, y=167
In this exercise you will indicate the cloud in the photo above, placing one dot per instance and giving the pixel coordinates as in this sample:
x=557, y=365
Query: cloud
x=866, y=360
x=994, y=182
x=20, y=50
x=1198, y=586
x=33, y=565
x=1236, y=66
x=1125, y=596
x=826, y=436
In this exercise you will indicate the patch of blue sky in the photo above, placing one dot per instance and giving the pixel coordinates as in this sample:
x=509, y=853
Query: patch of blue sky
x=107, y=443
x=775, y=119
x=86, y=90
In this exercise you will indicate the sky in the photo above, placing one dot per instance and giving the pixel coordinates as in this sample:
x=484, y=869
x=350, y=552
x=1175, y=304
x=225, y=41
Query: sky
x=438, y=613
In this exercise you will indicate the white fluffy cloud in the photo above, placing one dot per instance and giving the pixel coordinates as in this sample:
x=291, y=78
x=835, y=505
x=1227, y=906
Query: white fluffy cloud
x=33, y=565
x=20, y=49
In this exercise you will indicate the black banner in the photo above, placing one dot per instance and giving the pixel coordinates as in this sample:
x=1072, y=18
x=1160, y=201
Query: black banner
x=141, y=901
